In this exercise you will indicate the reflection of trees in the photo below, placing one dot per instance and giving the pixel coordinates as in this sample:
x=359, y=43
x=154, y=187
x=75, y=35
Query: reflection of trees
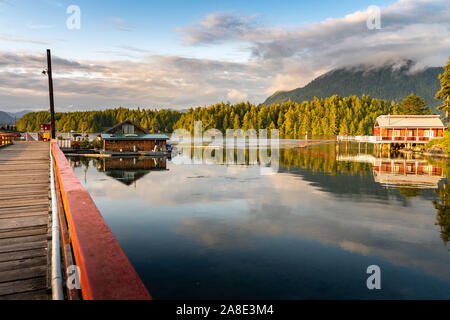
x=321, y=159
x=443, y=212
x=444, y=164
x=85, y=162
x=410, y=192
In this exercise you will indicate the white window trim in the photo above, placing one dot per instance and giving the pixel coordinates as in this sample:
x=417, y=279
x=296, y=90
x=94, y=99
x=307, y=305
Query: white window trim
x=428, y=133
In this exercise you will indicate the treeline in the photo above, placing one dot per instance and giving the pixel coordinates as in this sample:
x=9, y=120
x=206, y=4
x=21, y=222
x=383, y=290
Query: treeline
x=96, y=121
x=320, y=117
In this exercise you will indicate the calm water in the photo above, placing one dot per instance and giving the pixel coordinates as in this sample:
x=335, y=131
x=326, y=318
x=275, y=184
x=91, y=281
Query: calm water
x=308, y=231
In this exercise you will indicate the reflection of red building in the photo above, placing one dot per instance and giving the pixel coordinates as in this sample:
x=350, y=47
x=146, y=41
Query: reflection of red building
x=133, y=163
x=407, y=128
x=411, y=173
x=129, y=170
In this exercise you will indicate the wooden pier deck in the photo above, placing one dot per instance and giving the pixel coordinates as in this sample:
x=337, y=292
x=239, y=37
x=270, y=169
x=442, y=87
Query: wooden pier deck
x=24, y=220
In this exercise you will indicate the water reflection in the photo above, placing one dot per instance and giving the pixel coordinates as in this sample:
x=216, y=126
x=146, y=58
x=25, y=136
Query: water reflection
x=443, y=212
x=126, y=170
x=226, y=231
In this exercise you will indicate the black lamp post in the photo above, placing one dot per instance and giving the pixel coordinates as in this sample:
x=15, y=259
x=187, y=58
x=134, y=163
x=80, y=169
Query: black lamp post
x=50, y=93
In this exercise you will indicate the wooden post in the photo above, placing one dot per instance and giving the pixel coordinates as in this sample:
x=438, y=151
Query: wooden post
x=50, y=93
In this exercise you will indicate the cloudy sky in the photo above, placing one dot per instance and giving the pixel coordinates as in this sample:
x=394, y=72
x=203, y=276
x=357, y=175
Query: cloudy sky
x=177, y=54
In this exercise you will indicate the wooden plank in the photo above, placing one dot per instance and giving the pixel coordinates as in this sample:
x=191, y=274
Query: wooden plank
x=25, y=254
x=10, y=155
x=23, y=263
x=24, y=203
x=23, y=232
x=24, y=189
x=25, y=186
x=19, y=161
x=17, y=177
x=6, y=205
x=23, y=222
x=34, y=208
x=9, y=151
x=30, y=295
x=23, y=246
x=24, y=273
x=18, y=240
x=13, y=175
x=32, y=195
x=21, y=214
x=13, y=287
x=19, y=186
x=37, y=153
x=29, y=208
x=18, y=157
x=34, y=181
x=29, y=167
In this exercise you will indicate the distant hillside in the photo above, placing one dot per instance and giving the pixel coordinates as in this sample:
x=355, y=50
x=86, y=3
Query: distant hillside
x=6, y=118
x=383, y=83
x=19, y=114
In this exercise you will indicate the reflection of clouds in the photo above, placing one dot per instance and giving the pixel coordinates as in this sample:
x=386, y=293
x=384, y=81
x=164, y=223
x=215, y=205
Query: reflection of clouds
x=237, y=203
x=177, y=187
x=214, y=235
x=404, y=236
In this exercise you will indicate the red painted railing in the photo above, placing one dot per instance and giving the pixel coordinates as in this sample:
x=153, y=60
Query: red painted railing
x=105, y=271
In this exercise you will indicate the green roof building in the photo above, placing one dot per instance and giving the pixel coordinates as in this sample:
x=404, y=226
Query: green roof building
x=127, y=136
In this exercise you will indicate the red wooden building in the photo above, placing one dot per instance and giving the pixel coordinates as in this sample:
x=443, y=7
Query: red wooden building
x=45, y=133
x=409, y=129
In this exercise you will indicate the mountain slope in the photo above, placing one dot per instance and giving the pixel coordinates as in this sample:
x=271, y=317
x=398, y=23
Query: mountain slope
x=19, y=114
x=384, y=83
x=6, y=118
